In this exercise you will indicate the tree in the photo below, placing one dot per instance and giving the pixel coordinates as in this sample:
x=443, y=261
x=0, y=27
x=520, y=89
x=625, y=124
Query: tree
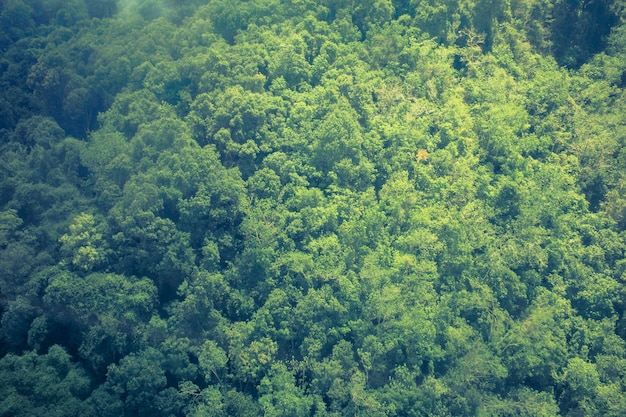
x=251, y=359
x=581, y=382
x=16, y=19
x=212, y=360
x=338, y=138
x=139, y=384
x=534, y=350
x=130, y=110
x=108, y=311
x=49, y=383
x=102, y=8
x=338, y=207
x=580, y=29
x=84, y=245
x=280, y=396
x=145, y=243
x=205, y=298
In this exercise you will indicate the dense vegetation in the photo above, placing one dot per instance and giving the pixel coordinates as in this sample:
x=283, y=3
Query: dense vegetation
x=312, y=208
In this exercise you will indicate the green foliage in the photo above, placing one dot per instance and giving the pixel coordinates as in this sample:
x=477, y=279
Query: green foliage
x=137, y=385
x=580, y=29
x=84, y=245
x=280, y=396
x=50, y=383
x=312, y=208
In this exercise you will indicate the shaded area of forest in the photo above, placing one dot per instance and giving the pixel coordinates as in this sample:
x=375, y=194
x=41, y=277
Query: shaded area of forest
x=312, y=208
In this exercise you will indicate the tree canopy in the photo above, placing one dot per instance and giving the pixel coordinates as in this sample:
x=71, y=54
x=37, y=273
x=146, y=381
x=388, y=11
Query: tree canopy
x=312, y=208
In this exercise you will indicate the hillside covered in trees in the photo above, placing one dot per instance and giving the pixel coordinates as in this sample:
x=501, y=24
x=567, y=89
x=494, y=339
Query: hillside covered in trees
x=312, y=208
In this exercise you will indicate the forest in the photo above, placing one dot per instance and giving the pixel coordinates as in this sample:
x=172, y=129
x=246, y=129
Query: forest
x=312, y=208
